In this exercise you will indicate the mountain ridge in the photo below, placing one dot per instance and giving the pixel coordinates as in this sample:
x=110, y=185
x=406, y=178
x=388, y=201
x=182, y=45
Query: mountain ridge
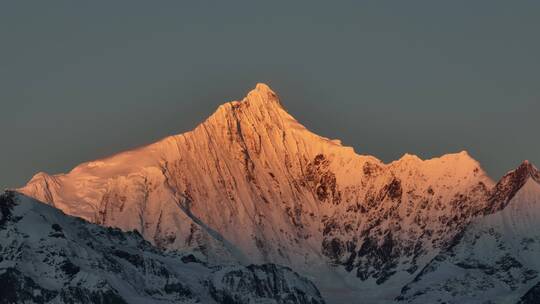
x=258, y=101
x=495, y=258
x=279, y=193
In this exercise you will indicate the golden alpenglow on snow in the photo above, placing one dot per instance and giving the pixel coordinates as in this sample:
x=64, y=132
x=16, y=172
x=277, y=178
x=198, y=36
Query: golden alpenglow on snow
x=251, y=185
x=284, y=152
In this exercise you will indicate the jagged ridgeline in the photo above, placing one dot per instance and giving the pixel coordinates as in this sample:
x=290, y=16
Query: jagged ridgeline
x=252, y=185
x=49, y=257
x=496, y=259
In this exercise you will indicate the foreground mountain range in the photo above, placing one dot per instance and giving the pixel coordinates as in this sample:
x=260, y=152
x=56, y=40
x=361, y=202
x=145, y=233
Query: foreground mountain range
x=251, y=185
x=49, y=257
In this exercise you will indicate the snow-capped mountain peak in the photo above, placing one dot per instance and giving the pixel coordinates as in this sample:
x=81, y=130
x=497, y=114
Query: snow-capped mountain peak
x=261, y=105
x=262, y=94
x=252, y=181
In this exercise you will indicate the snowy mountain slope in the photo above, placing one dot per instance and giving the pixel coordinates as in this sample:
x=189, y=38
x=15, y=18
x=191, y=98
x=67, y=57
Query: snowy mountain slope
x=497, y=258
x=255, y=185
x=49, y=257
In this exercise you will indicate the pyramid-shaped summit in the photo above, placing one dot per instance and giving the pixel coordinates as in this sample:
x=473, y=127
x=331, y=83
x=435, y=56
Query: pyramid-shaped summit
x=261, y=108
x=251, y=184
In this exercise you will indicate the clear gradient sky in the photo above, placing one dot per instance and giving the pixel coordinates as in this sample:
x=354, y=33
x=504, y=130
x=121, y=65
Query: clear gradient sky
x=84, y=79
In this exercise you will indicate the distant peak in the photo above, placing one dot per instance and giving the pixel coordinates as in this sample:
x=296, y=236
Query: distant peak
x=410, y=157
x=462, y=158
x=459, y=159
x=511, y=183
x=39, y=176
x=464, y=153
x=525, y=169
x=263, y=87
x=260, y=105
x=528, y=169
x=262, y=95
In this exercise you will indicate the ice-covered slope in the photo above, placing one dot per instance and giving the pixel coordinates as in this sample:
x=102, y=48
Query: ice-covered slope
x=497, y=258
x=252, y=184
x=49, y=257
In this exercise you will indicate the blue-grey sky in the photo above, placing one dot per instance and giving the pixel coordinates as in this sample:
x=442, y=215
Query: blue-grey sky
x=84, y=79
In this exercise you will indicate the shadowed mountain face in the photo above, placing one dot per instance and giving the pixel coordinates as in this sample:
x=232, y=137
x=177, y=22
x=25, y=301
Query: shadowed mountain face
x=251, y=184
x=496, y=258
x=49, y=257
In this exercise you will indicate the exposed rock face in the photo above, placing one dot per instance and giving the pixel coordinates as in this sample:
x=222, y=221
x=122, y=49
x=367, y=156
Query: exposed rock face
x=266, y=281
x=509, y=185
x=252, y=184
x=49, y=257
x=496, y=258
